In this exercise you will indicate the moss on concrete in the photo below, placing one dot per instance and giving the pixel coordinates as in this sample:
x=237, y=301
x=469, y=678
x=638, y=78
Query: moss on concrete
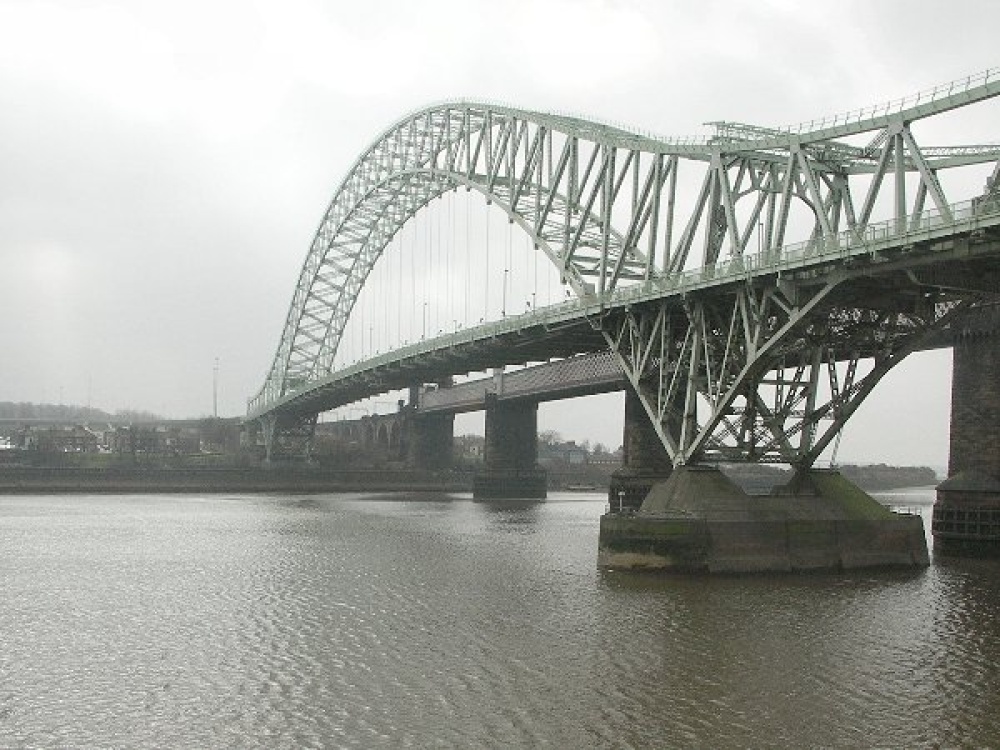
x=699, y=520
x=696, y=492
x=854, y=502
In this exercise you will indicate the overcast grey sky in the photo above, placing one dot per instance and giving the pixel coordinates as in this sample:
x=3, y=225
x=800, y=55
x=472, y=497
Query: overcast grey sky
x=164, y=164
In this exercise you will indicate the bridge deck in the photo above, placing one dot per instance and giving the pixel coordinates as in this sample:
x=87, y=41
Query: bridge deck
x=963, y=250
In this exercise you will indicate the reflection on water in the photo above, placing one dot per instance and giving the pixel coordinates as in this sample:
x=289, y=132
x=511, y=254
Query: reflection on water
x=368, y=621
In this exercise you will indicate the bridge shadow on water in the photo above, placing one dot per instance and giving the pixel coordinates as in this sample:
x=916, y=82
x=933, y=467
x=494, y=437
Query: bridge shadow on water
x=410, y=497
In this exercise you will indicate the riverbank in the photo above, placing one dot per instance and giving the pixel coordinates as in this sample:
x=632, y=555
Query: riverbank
x=109, y=479
x=39, y=480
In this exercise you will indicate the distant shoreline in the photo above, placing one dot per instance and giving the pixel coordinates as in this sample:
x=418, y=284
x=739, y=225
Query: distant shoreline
x=36, y=481
x=24, y=480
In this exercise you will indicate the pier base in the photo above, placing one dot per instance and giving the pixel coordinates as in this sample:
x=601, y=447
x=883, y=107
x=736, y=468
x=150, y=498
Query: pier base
x=511, y=467
x=645, y=461
x=699, y=520
x=967, y=512
x=967, y=516
x=510, y=484
x=628, y=489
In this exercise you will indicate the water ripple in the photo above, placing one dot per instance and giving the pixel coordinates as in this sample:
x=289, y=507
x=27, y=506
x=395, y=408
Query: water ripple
x=279, y=622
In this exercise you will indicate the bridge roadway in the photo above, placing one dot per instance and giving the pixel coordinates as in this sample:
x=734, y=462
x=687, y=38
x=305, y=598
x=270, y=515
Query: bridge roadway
x=579, y=375
x=875, y=269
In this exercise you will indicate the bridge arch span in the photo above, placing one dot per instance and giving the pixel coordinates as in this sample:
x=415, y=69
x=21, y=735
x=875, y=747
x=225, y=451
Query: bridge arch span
x=697, y=301
x=500, y=152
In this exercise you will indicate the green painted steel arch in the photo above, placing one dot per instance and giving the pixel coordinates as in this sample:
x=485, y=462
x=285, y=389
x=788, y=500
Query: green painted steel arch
x=480, y=147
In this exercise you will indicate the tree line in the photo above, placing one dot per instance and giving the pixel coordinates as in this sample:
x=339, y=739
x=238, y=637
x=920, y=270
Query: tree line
x=70, y=413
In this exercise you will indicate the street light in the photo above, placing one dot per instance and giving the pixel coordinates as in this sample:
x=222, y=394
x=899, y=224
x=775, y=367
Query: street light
x=215, y=389
x=503, y=306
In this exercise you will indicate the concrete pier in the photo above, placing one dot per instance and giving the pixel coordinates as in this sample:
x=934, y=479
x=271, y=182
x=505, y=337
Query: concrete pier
x=430, y=440
x=967, y=512
x=699, y=520
x=511, y=467
x=644, y=461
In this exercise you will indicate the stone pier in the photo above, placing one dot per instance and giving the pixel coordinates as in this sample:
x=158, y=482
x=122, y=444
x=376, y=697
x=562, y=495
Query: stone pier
x=967, y=511
x=511, y=467
x=430, y=440
x=644, y=461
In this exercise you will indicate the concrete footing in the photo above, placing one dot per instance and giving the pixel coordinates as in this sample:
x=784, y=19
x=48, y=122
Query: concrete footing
x=699, y=520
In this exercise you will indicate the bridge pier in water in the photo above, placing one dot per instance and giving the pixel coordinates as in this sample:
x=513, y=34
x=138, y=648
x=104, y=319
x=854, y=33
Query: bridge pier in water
x=699, y=520
x=645, y=461
x=430, y=440
x=967, y=512
x=511, y=452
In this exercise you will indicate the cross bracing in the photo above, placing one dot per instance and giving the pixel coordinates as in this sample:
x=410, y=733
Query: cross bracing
x=769, y=207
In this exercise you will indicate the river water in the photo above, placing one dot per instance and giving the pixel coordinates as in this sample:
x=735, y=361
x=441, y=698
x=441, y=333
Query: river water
x=433, y=621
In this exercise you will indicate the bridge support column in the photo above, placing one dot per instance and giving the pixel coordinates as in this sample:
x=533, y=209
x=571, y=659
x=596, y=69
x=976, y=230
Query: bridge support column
x=430, y=440
x=645, y=461
x=288, y=438
x=511, y=452
x=967, y=512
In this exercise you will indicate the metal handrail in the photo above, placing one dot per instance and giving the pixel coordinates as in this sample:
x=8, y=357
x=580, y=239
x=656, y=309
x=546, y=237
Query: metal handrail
x=926, y=96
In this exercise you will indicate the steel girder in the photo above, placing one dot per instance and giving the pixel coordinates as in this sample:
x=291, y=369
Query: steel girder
x=765, y=372
x=601, y=202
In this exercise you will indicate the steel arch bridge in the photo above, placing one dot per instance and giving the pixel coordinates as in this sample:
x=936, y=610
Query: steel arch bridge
x=739, y=342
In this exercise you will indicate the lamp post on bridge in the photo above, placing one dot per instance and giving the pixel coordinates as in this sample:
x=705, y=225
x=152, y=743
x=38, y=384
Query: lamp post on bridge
x=503, y=304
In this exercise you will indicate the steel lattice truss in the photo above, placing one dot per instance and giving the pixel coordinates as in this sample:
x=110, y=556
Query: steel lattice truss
x=763, y=373
x=601, y=202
